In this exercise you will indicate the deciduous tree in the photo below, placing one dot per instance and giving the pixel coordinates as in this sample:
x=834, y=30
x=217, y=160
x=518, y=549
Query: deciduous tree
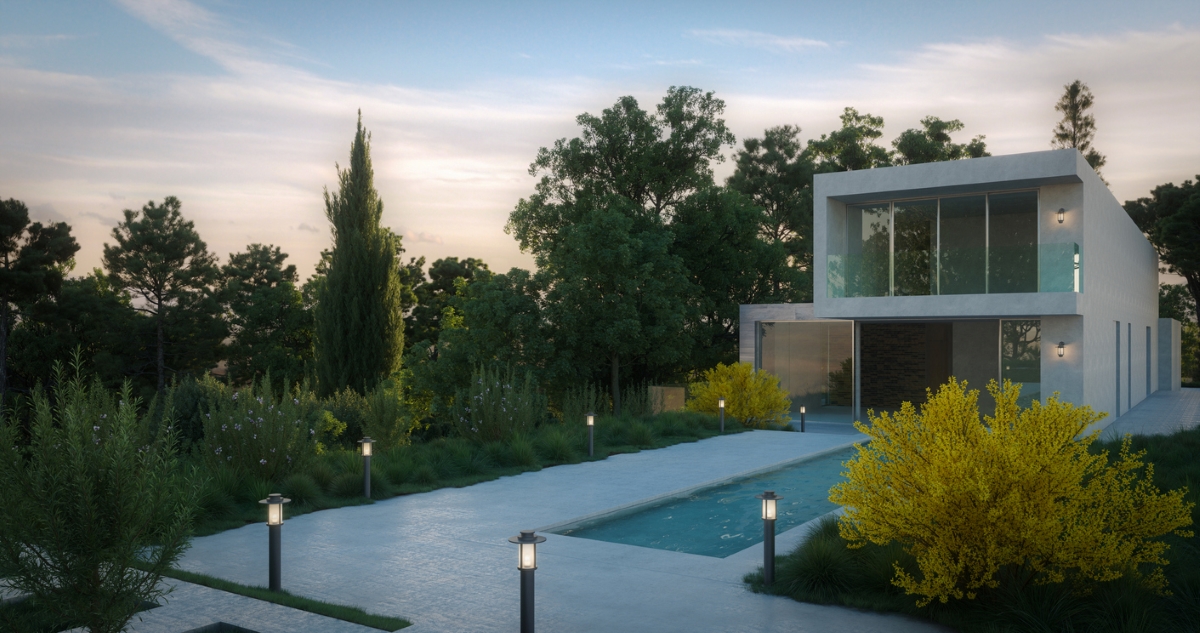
x=33, y=261
x=853, y=146
x=932, y=143
x=272, y=328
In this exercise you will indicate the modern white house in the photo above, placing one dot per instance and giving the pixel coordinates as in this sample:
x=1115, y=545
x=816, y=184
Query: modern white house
x=1022, y=267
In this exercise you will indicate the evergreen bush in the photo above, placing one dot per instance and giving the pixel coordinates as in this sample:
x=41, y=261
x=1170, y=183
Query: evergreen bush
x=497, y=405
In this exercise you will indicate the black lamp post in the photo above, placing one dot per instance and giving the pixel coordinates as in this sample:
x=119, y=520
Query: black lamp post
x=591, y=424
x=527, y=543
x=768, y=514
x=721, y=406
x=801, y=418
x=274, y=502
x=365, y=445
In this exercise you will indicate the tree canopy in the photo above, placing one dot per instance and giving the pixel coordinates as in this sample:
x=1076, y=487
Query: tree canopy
x=359, y=312
x=932, y=143
x=1170, y=218
x=1077, y=127
x=271, y=327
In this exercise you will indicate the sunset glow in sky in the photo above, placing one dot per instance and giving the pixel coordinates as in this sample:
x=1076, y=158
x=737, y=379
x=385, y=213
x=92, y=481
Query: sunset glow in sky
x=242, y=109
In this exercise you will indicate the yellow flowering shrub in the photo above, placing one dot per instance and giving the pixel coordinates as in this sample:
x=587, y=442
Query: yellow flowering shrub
x=754, y=398
x=966, y=497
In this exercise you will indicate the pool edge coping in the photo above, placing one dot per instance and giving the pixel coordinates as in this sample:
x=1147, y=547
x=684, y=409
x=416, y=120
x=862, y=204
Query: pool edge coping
x=647, y=501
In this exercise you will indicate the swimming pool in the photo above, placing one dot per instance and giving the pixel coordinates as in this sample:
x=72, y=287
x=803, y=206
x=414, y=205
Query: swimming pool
x=726, y=518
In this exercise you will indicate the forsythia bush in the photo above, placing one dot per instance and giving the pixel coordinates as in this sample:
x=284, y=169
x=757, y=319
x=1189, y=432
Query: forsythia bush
x=754, y=398
x=966, y=497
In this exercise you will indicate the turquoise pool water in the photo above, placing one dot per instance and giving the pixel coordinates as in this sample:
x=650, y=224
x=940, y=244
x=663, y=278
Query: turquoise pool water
x=724, y=519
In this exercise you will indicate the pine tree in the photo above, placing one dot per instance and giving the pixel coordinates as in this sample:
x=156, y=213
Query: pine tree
x=1077, y=127
x=360, y=331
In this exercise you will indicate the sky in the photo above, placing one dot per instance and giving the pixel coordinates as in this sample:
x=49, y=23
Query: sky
x=243, y=110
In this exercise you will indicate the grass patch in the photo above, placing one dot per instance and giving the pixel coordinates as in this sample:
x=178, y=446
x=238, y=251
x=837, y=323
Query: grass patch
x=823, y=570
x=337, y=611
x=334, y=479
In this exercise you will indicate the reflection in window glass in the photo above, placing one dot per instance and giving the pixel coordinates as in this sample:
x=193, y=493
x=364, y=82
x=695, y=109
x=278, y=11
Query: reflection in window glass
x=1021, y=357
x=1012, y=242
x=868, y=262
x=916, y=248
x=962, y=266
x=814, y=361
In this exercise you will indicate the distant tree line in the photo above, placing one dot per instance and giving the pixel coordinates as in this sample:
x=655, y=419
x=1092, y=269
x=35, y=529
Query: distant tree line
x=642, y=262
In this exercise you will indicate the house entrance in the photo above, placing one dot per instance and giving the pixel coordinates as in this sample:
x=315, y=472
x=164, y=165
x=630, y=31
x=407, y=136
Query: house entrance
x=901, y=360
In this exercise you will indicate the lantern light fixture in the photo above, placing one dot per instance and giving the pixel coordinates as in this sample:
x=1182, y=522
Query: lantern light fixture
x=366, y=449
x=527, y=542
x=1062, y=349
x=770, y=510
x=1062, y=215
x=802, y=410
x=591, y=424
x=274, y=503
x=721, y=406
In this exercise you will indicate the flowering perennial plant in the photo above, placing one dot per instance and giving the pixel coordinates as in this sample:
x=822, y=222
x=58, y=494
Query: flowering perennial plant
x=1020, y=490
x=497, y=405
x=253, y=431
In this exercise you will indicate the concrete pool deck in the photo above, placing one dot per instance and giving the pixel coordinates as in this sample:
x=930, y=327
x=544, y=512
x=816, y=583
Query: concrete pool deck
x=442, y=560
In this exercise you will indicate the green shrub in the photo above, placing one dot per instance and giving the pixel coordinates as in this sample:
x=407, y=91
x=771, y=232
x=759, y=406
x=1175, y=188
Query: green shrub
x=641, y=435
x=256, y=433
x=301, y=488
x=497, y=405
x=752, y=396
x=381, y=485
x=577, y=402
x=558, y=446
x=822, y=569
x=384, y=418
x=322, y=474
x=350, y=408
x=216, y=499
x=498, y=453
x=424, y=474
x=255, y=489
x=93, y=512
x=521, y=452
x=638, y=401
x=398, y=466
x=347, y=485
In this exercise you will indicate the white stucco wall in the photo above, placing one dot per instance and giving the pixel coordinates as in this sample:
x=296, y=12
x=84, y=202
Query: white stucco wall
x=1170, y=376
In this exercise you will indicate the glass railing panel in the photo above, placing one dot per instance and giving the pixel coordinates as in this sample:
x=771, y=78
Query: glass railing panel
x=1061, y=267
x=859, y=275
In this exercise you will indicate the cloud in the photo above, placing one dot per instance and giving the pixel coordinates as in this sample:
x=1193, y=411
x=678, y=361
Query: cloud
x=304, y=226
x=757, y=39
x=29, y=41
x=422, y=237
x=45, y=213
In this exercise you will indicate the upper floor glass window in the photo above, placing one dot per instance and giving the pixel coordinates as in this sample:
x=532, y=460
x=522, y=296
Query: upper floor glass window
x=973, y=244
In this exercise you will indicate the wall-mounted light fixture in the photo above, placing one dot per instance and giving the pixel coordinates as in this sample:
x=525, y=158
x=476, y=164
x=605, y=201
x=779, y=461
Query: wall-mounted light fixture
x=1062, y=348
x=1062, y=215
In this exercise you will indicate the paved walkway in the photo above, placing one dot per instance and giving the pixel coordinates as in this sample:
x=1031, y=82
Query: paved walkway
x=1163, y=413
x=442, y=560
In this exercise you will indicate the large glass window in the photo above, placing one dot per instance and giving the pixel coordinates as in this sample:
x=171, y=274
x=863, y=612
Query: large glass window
x=868, y=264
x=814, y=361
x=1012, y=242
x=916, y=247
x=1021, y=357
x=963, y=261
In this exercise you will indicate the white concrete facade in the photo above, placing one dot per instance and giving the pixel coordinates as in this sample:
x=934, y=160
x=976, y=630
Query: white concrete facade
x=1116, y=349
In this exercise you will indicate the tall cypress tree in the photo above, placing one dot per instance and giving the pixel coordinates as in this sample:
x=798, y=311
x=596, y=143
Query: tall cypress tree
x=360, y=327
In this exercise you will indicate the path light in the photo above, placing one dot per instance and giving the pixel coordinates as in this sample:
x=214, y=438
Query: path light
x=1062, y=349
x=769, y=513
x=527, y=543
x=274, y=502
x=721, y=405
x=365, y=446
x=801, y=418
x=591, y=424
x=1062, y=215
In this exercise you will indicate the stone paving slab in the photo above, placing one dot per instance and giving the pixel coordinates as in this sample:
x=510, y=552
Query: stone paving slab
x=1163, y=413
x=441, y=559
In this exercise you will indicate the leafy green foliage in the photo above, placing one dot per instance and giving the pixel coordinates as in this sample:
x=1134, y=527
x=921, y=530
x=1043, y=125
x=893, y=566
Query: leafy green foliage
x=359, y=326
x=94, y=510
x=752, y=396
x=498, y=405
x=161, y=259
x=1077, y=127
x=852, y=147
x=933, y=143
x=423, y=323
x=776, y=174
x=1175, y=302
x=258, y=433
x=33, y=259
x=272, y=328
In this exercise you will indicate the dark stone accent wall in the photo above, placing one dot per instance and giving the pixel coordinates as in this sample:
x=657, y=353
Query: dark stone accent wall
x=899, y=360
